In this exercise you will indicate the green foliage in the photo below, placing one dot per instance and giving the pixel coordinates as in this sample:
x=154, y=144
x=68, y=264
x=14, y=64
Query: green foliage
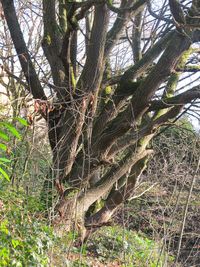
x=22, y=121
x=185, y=124
x=113, y=246
x=4, y=173
x=7, y=132
x=115, y=243
x=10, y=128
x=182, y=135
x=24, y=239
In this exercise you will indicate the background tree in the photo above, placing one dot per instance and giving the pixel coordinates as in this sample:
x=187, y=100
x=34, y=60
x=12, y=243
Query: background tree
x=104, y=105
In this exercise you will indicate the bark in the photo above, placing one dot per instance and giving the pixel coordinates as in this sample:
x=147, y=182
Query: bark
x=136, y=37
x=140, y=100
x=112, y=107
x=86, y=199
x=181, y=99
x=52, y=43
x=92, y=73
x=117, y=197
x=73, y=118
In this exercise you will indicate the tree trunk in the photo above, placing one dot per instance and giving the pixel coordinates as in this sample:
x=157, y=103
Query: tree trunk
x=99, y=142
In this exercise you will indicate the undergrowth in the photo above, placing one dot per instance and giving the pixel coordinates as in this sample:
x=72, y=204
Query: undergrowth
x=27, y=240
x=25, y=236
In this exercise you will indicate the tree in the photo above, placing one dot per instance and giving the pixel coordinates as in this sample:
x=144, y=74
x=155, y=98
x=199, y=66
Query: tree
x=103, y=116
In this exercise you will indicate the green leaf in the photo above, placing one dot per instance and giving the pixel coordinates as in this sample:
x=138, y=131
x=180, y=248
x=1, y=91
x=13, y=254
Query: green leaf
x=5, y=175
x=15, y=243
x=5, y=160
x=22, y=121
x=4, y=136
x=11, y=129
x=4, y=227
x=3, y=147
x=5, y=165
x=4, y=253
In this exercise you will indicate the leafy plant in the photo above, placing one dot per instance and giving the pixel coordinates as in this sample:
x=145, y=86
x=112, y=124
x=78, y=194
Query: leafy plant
x=24, y=239
x=7, y=131
x=128, y=247
x=114, y=246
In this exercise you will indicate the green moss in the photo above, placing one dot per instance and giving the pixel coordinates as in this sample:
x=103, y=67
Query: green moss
x=196, y=67
x=62, y=16
x=143, y=142
x=185, y=57
x=47, y=39
x=73, y=79
x=128, y=87
x=172, y=84
x=108, y=90
x=173, y=81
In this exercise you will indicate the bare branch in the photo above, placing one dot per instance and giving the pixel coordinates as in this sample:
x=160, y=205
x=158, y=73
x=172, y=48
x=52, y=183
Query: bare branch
x=24, y=57
x=121, y=21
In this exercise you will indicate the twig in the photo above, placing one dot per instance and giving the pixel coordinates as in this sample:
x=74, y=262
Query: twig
x=141, y=194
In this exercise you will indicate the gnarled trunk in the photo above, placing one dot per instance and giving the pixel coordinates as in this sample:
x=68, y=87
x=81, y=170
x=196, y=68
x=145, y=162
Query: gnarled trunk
x=102, y=120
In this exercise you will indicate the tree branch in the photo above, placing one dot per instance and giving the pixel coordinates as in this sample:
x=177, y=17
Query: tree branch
x=181, y=99
x=140, y=100
x=112, y=107
x=122, y=9
x=52, y=43
x=24, y=57
x=121, y=21
x=151, y=127
x=117, y=197
x=92, y=73
x=116, y=172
